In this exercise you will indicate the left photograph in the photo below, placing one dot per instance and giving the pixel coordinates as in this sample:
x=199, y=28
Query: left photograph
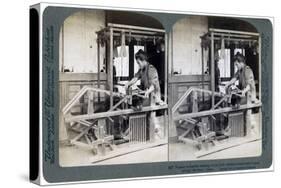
x=113, y=89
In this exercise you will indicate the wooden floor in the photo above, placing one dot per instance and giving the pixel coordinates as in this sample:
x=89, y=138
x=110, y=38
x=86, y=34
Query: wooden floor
x=184, y=152
x=175, y=151
x=76, y=156
x=235, y=147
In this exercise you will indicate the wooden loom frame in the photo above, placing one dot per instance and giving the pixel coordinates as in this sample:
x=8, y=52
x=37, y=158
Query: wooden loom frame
x=216, y=35
x=110, y=32
x=188, y=117
x=232, y=36
x=103, y=140
x=115, y=30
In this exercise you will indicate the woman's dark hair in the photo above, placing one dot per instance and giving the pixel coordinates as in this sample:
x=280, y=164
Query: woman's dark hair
x=239, y=57
x=141, y=55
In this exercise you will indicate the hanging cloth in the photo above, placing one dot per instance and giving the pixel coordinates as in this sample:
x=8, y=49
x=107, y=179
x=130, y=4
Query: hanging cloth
x=115, y=50
x=222, y=49
x=123, y=52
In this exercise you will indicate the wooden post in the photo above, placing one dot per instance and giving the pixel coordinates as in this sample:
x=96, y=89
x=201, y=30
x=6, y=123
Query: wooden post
x=172, y=52
x=110, y=73
x=98, y=52
x=202, y=71
x=90, y=109
x=212, y=65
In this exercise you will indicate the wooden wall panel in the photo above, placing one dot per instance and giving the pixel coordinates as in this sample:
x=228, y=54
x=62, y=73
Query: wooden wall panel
x=187, y=45
x=79, y=45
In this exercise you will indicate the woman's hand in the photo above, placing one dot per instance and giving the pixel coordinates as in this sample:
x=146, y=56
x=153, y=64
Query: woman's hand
x=130, y=83
x=146, y=94
x=148, y=91
x=126, y=86
x=244, y=91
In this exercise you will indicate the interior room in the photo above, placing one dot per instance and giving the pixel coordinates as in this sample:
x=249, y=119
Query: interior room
x=199, y=110
x=101, y=121
x=208, y=119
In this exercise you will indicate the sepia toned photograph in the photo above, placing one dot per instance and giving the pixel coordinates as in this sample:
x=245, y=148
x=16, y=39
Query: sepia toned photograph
x=133, y=90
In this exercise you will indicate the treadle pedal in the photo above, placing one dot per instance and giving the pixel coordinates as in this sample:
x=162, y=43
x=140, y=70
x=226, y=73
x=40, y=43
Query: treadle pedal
x=112, y=147
x=214, y=142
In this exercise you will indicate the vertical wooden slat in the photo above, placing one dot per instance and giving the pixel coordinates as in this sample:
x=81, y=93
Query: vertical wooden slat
x=98, y=52
x=137, y=127
x=90, y=109
x=212, y=69
x=110, y=81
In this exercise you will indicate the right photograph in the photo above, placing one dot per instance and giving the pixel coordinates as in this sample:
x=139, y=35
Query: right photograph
x=214, y=89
